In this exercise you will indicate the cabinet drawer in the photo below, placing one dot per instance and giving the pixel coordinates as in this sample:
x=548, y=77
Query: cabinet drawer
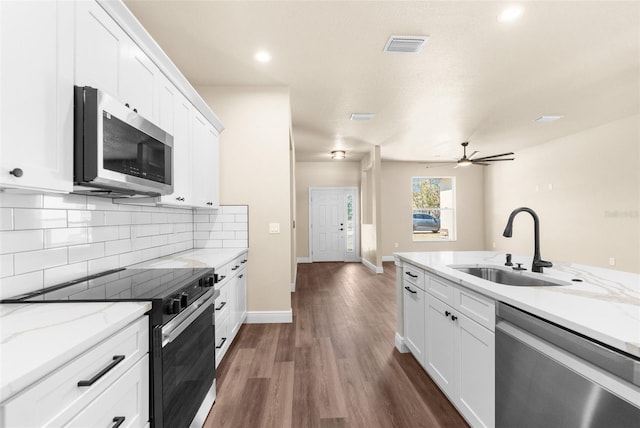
x=414, y=275
x=479, y=308
x=58, y=397
x=126, y=398
x=223, y=338
x=440, y=288
x=221, y=305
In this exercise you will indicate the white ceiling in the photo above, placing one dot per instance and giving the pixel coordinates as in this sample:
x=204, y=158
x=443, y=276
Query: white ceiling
x=476, y=79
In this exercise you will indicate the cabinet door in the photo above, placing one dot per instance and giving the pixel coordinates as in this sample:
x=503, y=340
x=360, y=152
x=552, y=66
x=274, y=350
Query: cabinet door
x=36, y=83
x=414, y=327
x=475, y=373
x=139, y=77
x=241, y=300
x=440, y=345
x=205, y=157
x=99, y=46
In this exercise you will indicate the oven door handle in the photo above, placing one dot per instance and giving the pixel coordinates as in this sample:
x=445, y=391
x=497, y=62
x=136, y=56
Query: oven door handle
x=199, y=306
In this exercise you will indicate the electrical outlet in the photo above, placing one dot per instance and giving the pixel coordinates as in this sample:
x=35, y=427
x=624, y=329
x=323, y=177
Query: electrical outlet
x=612, y=261
x=274, y=227
x=396, y=245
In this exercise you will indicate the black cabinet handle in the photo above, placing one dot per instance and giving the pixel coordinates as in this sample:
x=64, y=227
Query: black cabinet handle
x=453, y=317
x=126, y=105
x=410, y=290
x=180, y=198
x=234, y=268
x=117, y=359
x=135, y=109
x=224, y=339
x=221, y=306
x=118, y=420
x=411, y=275
x=221, y=277
x=244, y=261
x=16, y=172
x=447, y=313
x=240, y=276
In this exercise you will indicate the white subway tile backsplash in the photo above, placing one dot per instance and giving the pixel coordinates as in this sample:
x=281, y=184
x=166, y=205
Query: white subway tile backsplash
x=127, y=259
x=117, y=247
x=104, y=233
x=242, y=235
x=141, y=243
x=124, y=232
x=241, y=218
x=159, y=218
x=6, y=219
x=20, y=200
x=116, y=218
x=39, y=219
x=41, y=259
x=204, y=227
x=19, y=284
x=64, y=273
x=103, y=264
x=79, y=253
x=100, y=204
x=151, y=253
x=234, y=243
x=159, y=240
x=85, y=218
x=15, y=241
x=6, y=265
x=141, y=218
x=208, y=243
x=223, y=235
x=65, y=237
x=201, y=218
x=223, y=218
x=235, y=226
x=201, y=235
x=166, y=228
x=65, y=201
x=235, y=209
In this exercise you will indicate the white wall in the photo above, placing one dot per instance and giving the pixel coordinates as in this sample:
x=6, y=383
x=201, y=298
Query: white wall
x=319, y=174
x=397, y=221
x=584, y=187
x=255, y=171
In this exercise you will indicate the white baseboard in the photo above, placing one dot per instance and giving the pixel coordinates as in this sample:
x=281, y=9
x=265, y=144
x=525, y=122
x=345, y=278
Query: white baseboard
x=387, y=258
x=400, y=346
x=371, y=266
x=303, y=260
x=269, y=317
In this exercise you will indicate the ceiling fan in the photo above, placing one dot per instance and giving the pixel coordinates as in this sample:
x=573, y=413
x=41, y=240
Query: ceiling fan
x=469, y=160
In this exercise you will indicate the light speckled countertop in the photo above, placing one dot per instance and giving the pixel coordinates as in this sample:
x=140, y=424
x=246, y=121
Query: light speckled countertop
x=38, y=338
x=604, y=306
x=206, y=257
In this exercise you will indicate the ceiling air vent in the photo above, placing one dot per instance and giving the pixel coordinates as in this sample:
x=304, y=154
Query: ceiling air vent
x=405, y=44
x=362, y=116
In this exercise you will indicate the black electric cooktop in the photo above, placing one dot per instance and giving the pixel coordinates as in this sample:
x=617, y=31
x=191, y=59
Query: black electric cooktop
x=169, y=290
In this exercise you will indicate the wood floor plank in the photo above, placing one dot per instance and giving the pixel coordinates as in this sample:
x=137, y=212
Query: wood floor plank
x=334, y=366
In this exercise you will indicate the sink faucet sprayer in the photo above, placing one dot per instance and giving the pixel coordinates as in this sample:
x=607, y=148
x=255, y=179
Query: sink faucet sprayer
x=538, y=263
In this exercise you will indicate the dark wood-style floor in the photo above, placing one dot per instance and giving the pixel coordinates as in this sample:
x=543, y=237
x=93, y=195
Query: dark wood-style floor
x=334, y=366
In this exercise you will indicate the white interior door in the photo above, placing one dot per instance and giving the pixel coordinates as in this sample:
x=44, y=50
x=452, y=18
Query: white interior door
x=333, y=224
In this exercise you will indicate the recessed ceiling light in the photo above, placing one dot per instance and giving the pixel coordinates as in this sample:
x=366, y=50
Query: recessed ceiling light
x=263, y=56
x=338, y=154
x=511, y=13
x=362, y=116
x=547, y=118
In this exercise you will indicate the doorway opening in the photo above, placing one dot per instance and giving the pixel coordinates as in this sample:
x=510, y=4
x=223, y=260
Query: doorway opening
x=334, y=224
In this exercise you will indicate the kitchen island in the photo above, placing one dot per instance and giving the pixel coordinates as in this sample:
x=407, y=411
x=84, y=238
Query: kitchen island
x=451, y=321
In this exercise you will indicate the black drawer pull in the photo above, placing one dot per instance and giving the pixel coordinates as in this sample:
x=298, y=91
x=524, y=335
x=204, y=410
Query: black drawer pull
x=240, y=276
x=410, y=290
x=453, y=317
x=117, y=359
x=221, y=306
x=234, y=268
x=411, y=275
x=224, y=339
x=118, y=420
x=447, y=313
x=244, y=261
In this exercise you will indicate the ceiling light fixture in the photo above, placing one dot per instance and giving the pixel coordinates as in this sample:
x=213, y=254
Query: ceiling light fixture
x=338, y=154
x=547, y=118
x=510, y=14
x=362, y=116
x=263, y=56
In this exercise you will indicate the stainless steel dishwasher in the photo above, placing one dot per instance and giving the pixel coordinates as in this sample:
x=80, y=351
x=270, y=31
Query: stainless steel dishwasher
x=548, y=376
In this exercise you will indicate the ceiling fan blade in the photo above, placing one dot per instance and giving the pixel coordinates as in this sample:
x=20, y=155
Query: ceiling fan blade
x=480, y=163
x=437, y=164
x=492, y=160
x=472, y=155
x=494, y=156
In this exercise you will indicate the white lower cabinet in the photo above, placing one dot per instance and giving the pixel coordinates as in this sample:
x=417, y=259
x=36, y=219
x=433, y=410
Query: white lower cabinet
x=414, y=320
x=111, y=377
x=440, y=348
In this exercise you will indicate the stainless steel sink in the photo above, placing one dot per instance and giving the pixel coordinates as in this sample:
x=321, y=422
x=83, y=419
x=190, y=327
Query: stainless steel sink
x=505, y=277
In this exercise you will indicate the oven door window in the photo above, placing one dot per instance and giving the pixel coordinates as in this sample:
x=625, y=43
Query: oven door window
x=188, y=370
x=129, y=151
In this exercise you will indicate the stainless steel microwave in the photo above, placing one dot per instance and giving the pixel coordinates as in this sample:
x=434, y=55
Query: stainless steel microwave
x=118, y=152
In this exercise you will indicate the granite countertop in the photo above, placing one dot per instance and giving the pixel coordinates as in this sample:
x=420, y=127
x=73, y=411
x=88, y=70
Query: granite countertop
x=604, y=306
x=197, y=258
x=38, y=338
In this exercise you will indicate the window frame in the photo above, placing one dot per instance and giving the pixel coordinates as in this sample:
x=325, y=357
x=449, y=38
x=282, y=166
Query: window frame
x=453, y=234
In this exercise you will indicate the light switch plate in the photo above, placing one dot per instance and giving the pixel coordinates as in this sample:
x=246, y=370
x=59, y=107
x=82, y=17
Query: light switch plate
x=274, y=227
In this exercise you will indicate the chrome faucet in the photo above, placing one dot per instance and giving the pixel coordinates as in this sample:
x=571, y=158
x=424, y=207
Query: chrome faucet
x=538, y=263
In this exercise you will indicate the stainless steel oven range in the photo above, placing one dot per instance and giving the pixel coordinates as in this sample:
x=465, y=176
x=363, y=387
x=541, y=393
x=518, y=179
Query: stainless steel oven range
x=182, y=348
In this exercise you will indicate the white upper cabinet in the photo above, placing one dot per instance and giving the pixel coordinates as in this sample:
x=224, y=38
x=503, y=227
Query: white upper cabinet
x=205, y=163
x=109, y=60
x=36, y=83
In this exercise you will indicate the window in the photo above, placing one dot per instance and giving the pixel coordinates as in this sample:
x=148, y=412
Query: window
x=433, y=208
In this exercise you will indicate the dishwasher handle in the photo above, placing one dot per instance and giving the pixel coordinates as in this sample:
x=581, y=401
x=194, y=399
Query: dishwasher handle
x=614, y=361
